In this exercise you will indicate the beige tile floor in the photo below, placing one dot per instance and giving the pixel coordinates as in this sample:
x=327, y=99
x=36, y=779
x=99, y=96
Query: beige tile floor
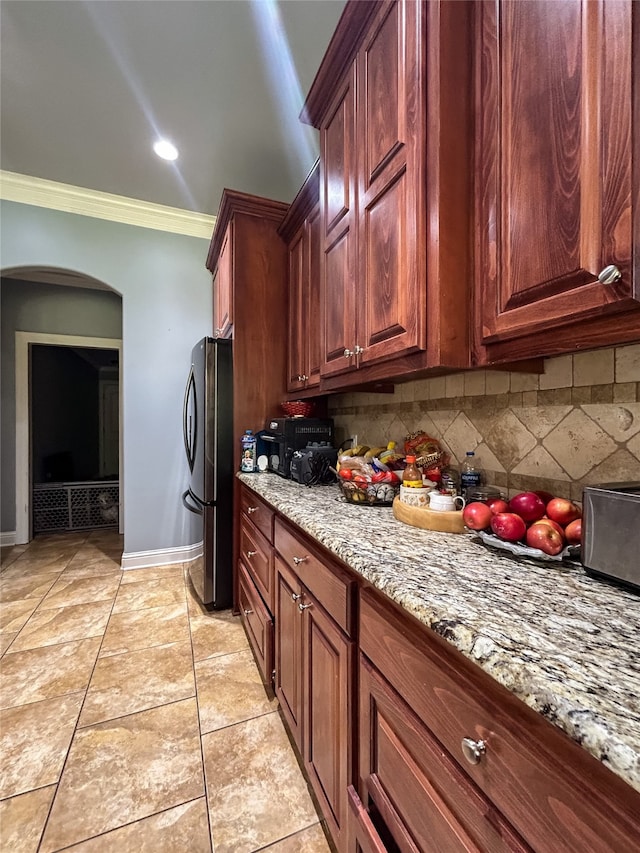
x=131, y=719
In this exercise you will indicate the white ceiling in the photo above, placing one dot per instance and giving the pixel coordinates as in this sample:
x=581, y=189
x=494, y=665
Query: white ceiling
x=88, y=86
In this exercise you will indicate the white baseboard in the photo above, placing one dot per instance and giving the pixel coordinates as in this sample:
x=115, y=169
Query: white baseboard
x=161, y=557
x=7, y=538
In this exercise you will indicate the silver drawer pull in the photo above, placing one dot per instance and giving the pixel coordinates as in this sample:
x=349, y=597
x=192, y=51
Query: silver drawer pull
x=251, y=554
x=248, y=612
x=252, y=509
x=473, y=750
x=296, y=595
x=298, y=560
x=302, y=607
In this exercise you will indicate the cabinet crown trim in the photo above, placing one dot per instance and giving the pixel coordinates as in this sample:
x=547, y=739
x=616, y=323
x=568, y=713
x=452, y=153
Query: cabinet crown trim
x=234, y=202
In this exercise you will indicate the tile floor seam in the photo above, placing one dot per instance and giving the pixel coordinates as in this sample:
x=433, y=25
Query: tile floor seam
x=75, y=728
x=186, y=579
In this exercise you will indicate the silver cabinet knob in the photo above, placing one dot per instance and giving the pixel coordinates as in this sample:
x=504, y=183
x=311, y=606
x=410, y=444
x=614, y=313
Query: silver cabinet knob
x=304, y=377
x=609, y=275
x=251, y=554
x=296, y=595
x=298, y=560
x=348, y=353
x=302, y=607
x=473, y=750
x=358, y=350
x=252, y=509
x=248, y=612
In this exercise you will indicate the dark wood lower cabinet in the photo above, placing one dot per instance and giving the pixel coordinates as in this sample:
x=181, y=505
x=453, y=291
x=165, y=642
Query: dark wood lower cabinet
x=328, y=664
x=288, y=649
x=417, y=797
x=314, y=673
x=387, y=717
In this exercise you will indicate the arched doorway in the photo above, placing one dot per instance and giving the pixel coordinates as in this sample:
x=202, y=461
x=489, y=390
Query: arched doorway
x=54, y=331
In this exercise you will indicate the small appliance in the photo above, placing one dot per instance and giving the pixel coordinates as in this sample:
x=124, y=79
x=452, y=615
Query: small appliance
x=286, y=435
x=611, y=532
x=315, y=464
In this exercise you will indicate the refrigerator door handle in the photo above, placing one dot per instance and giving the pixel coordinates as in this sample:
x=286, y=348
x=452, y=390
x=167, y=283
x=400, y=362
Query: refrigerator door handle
x=197, y=509
x=187, y=423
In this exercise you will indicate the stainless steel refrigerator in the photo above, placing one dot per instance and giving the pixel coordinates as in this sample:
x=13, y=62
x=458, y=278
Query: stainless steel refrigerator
x=208, y=441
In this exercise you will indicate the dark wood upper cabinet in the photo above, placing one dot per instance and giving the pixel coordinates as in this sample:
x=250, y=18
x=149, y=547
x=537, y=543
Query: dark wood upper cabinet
x=556, y=191
x=301, y=232
x=392, y=103
x=248, y=260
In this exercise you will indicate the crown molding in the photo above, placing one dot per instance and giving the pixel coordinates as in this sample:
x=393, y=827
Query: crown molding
x=25, y=189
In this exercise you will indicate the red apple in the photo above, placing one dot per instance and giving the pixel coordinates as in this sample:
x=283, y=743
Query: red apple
x=509, y=526
x=573, y=532
x=546, y=538
x=497, y=505
x=553, y=524
x=544, y=496
x=563, y=511
x=527, y=505
x=477, y=515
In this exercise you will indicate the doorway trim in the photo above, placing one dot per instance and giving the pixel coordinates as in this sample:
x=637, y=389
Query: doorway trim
x=23, y=420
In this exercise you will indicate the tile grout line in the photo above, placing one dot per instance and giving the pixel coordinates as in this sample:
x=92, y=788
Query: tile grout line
x=185, y=579
x=75, y=728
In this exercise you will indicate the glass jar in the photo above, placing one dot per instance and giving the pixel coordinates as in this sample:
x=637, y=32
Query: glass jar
x=483, y=493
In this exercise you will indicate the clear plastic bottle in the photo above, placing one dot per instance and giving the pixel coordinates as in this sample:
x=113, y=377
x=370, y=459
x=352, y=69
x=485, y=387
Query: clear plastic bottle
x=248, y=458
x=470, y=474
x=411, y=475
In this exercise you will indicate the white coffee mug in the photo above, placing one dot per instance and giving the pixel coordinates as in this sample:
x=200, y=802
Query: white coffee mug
x=445, y=503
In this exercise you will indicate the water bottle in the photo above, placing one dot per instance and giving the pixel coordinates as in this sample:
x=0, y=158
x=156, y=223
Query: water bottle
x=248, y=459
x=470, y=475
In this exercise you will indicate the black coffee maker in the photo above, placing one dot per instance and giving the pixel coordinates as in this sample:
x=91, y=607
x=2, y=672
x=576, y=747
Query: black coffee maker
x=284, y=436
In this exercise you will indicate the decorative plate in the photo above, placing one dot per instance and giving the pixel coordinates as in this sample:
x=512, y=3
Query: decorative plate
x=570, y=552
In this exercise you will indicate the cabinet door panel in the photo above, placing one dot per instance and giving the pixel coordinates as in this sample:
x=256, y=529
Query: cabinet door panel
x=327, y=749
x=339, y=323
x=418, y=792
x=258, y=625
x=288, y=648
x=554, y=163
x=257, y=556
x=297, y=311
x=313, y=302
x=337, y=181
x=390, y=277
x=381, y=73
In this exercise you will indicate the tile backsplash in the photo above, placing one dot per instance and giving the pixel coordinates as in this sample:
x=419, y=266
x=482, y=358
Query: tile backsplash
x=575, y=424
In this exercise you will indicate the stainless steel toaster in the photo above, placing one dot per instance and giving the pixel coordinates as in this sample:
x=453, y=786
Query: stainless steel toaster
x=611, y=532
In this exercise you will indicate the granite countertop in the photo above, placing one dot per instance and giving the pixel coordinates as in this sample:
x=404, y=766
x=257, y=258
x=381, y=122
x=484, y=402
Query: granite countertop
x=564, y=643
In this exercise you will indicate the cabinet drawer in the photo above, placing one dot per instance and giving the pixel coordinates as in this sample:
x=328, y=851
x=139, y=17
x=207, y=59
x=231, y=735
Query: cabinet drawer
x=258, y=625
x=554, y=793
x=257, y=555
x=331, y=586
x=415, y=791
x=260, y=513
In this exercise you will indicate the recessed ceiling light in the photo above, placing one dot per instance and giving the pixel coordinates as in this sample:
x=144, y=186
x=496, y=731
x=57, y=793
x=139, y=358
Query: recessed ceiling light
x=165, y=149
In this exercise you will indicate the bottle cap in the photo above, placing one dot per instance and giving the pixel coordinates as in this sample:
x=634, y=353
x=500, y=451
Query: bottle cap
x=410, y=459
